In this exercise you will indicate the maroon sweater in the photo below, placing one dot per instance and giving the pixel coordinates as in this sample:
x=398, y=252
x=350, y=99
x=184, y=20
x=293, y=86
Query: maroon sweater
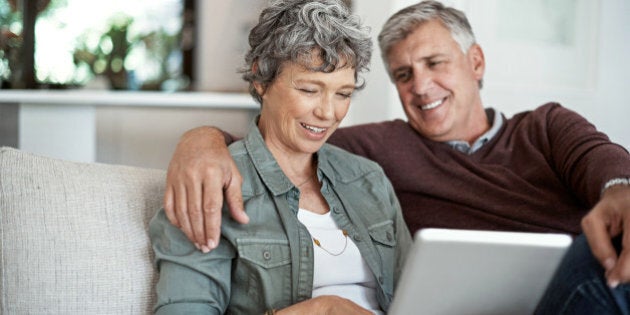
x=542, y=172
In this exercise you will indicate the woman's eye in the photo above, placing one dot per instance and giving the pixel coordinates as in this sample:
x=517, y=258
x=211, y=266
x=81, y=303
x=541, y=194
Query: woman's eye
x=345, y=95
x=308, y=91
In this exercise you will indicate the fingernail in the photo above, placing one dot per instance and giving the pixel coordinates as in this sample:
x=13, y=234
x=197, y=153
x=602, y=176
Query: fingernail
x=205, y=249
x=211, y=244
x=197, y=245
x=613, y=283
x=609, y=263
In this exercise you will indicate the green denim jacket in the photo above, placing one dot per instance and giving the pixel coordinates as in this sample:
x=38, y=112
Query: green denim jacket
x=268, y=263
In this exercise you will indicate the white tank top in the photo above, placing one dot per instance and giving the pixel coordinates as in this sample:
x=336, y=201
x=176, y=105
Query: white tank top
x=339, y=268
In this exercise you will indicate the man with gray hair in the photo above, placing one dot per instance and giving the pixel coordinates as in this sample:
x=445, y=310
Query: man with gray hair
x=456, y=164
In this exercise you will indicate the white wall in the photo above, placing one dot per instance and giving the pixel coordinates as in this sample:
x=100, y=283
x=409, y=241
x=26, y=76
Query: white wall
x=223, y=27
x=147, y=137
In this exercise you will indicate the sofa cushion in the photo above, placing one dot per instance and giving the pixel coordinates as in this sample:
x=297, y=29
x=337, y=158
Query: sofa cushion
x=73, y=236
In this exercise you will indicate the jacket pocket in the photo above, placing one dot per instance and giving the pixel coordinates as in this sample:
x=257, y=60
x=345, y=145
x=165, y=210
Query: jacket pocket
x=384, y=239
x=262, y=273
x=266, y=253
x=383, y=233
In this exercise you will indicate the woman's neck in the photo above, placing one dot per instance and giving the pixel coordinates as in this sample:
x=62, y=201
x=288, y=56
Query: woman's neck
x=299, y=168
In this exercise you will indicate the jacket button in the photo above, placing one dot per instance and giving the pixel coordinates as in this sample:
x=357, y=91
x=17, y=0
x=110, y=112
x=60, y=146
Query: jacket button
x=389, y=236
x=357, y=238
x=266, y=255
x=336, y=210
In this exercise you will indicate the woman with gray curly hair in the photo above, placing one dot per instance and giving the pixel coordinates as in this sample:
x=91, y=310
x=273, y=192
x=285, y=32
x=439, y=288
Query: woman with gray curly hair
x=326, y=233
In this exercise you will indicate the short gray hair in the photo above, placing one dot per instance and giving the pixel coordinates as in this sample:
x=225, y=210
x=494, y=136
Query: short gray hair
x=405, y=21
x=291, y=30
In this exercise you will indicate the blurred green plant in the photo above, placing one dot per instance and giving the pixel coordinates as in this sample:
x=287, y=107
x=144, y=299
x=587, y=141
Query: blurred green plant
x=10, y=42
x=127, y=59
x=116, y=53
x=11, y=38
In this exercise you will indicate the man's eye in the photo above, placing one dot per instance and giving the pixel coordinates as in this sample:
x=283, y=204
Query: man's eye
x=434, y=63
x=402, y=77
x=308, y=91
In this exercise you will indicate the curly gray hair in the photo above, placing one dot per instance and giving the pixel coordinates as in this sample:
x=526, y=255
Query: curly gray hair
x=293, y=30
x=405, y=21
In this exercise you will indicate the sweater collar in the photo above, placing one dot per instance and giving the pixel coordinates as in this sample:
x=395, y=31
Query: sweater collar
x=497, y=122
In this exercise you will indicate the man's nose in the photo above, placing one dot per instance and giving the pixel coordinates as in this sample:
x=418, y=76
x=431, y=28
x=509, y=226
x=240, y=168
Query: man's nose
x=421, y=82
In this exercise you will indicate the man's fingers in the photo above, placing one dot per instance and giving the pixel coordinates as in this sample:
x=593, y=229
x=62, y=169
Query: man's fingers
x=181, y=212
x=599, y=239
x=195, y=214
x=621, y=272
x=599, y=233
x=212, y=204
x=234, y=199
x=169, y=205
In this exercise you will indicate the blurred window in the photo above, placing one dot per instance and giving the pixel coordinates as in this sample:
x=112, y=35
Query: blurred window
x=115, y=44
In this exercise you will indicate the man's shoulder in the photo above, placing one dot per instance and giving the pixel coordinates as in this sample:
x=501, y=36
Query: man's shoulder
x=540, y=116
x=542, y=111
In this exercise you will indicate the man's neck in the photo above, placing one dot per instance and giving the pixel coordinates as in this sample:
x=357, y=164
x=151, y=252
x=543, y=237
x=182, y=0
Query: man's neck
x=495, y=121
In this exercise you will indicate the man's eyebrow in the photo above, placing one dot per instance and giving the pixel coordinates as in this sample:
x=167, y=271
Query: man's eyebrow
x=423, y=58
x=401, y=68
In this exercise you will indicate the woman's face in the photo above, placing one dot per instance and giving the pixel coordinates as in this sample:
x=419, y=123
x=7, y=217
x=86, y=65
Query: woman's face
x=302, y=108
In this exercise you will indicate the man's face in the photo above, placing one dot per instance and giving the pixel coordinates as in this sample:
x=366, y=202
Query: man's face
x=438, y=84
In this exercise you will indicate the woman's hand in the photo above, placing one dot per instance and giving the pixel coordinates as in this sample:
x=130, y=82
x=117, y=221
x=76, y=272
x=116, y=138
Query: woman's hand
x=325, y=305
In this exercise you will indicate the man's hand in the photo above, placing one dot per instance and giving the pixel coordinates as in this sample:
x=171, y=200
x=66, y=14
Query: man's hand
x=609, y=218
x=199, y=174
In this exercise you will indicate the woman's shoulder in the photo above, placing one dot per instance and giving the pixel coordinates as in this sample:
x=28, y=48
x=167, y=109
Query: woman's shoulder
x=239, y=153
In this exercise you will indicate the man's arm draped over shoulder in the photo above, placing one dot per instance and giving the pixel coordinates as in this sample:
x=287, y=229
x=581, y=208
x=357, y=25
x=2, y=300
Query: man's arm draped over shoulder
x=199, y=173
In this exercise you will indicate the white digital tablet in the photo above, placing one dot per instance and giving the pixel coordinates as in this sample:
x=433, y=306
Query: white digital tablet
x=477, y=272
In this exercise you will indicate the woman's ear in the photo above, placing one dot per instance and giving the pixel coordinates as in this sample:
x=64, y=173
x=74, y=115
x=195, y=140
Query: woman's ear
x=257, y=85
x=259, y=88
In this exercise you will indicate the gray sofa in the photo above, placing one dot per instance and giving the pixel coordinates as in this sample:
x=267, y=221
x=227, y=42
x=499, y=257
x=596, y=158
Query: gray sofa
x=73, y=236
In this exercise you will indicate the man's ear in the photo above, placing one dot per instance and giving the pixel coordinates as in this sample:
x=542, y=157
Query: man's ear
x=477, y=61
